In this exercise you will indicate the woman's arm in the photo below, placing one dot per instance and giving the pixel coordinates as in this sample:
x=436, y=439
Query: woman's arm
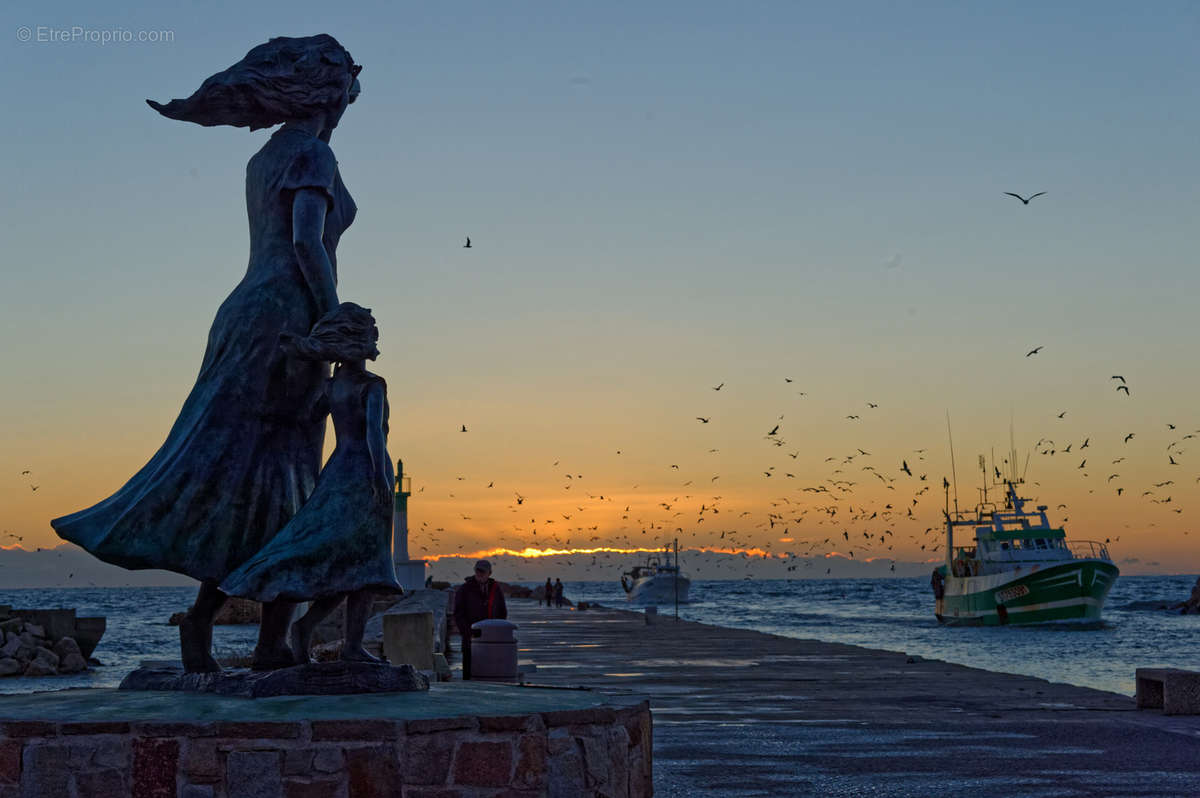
x=376, y=442
x=309, y=206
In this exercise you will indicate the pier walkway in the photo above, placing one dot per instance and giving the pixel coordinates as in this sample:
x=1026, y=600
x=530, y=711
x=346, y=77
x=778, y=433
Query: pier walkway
x=741, y=713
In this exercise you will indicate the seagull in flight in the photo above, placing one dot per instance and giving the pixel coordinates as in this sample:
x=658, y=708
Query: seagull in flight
x=1127, y=437
x=1124, y=388
x=468, y=244
x=1033, y=351
x=464, y=427
x=703, y=420
x=1119, y=377
x=1022, y=199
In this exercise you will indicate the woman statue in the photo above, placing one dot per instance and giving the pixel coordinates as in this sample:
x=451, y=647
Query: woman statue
x=339, y=546
x=245, y=451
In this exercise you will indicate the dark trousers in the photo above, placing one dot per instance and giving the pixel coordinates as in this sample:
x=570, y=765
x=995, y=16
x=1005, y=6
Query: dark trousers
x=466, y=655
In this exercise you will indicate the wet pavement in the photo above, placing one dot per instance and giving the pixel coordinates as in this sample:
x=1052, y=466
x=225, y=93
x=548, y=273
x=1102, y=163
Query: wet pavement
x=740, y=713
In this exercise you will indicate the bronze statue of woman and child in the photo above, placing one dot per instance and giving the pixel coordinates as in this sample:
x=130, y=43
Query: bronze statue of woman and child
x=237, y=497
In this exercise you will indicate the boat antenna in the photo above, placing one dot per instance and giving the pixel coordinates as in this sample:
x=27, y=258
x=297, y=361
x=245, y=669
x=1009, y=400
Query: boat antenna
x=953, y=472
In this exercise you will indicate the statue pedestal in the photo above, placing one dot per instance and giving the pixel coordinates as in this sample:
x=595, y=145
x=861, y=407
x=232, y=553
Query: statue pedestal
x=457, y=738
x=411, y=574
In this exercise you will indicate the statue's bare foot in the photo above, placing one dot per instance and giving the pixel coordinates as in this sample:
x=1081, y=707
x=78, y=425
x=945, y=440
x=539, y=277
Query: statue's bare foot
x=271, y=659
x=193, y=649
x=298, y=647
x=360, y=654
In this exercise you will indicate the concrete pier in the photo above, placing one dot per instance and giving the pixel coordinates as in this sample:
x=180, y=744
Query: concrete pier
x=740, y=713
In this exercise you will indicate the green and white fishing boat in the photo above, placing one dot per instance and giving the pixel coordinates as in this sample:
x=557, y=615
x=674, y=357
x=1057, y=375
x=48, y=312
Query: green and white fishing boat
x=1019, y=569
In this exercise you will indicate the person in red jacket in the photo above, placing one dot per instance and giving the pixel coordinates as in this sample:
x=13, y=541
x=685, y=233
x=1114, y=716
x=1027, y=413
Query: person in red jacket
x=477, y=599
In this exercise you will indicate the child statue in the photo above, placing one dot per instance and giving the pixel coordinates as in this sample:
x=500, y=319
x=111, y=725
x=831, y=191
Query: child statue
x=339, y=545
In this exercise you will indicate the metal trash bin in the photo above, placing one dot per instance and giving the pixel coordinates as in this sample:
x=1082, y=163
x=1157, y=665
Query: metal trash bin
x=493, y=649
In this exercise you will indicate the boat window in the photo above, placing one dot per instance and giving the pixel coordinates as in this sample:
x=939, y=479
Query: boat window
x=1041, y=543
x=1004, y=546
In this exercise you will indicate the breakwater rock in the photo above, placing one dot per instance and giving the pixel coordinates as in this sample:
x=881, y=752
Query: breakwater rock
x=235, y=612
x=29, y=649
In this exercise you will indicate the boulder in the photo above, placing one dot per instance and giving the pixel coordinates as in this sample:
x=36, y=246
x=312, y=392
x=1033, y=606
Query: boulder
x=9, y=667
x=45, y=663
x=35, y=630
x=46, y=655
x=73, y=662
x=12, y=625
x=10, y=648
x=25, y=654
x=67, y=646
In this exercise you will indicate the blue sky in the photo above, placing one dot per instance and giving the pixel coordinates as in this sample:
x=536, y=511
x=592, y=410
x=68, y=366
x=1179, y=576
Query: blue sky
x=662, y=196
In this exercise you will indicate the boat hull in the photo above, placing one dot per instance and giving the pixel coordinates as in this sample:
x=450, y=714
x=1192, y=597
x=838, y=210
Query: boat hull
x=1068, y=592
x=658, y=590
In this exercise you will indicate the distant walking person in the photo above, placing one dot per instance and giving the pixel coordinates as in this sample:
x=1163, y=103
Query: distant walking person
x=558, y=593
x=548, y=593
x=477, y=599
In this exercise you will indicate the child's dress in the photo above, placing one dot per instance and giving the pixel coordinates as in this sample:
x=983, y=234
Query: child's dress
x=341, y=539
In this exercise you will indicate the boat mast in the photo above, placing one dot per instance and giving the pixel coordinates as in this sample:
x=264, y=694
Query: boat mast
x=677, y=579
x=950, y=523
x=953, y=471
x=1012, y=448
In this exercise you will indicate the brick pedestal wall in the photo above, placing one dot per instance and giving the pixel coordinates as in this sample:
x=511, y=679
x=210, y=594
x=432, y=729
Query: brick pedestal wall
x=603, y=751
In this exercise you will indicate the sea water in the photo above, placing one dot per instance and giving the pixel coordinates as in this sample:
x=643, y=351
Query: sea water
x=891, y=614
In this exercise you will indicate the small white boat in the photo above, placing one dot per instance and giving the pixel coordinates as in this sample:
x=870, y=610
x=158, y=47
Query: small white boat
x=656, y=583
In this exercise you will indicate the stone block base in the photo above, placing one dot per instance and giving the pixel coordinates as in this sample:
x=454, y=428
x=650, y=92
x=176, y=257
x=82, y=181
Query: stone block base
x=597, y=751
x=1173, y=690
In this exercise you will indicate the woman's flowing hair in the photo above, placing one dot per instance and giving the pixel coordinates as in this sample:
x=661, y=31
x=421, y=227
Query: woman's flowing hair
x=346, y=333
x=286, y=78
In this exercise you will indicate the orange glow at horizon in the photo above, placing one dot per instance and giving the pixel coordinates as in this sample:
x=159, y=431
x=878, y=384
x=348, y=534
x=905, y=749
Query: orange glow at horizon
x=530, y=552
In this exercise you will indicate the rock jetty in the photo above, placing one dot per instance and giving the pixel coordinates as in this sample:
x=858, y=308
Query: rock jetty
x=234, y=612
x=1192, y=605
x=26, y=649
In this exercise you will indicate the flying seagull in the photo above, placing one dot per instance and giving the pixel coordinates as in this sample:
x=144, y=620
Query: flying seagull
x=1022, y=199
x=468, y=244
x=1127, y=437
x=1033, y=351
x=703, y=420
x=464, y=427
x=1124, y=388
x=1119, y=377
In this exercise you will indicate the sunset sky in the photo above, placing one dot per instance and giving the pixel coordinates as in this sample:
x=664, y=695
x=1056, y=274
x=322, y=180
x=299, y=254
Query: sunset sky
x=802, y=203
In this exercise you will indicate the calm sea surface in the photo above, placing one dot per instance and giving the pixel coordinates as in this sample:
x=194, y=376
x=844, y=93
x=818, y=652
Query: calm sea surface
x=892, y=614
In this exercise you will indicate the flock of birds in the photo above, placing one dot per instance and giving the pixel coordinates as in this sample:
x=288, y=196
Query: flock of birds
x=811, y=520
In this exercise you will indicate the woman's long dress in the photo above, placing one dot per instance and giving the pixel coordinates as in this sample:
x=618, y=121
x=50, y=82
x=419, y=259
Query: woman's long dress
x=245, y=451
x=341, y=540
